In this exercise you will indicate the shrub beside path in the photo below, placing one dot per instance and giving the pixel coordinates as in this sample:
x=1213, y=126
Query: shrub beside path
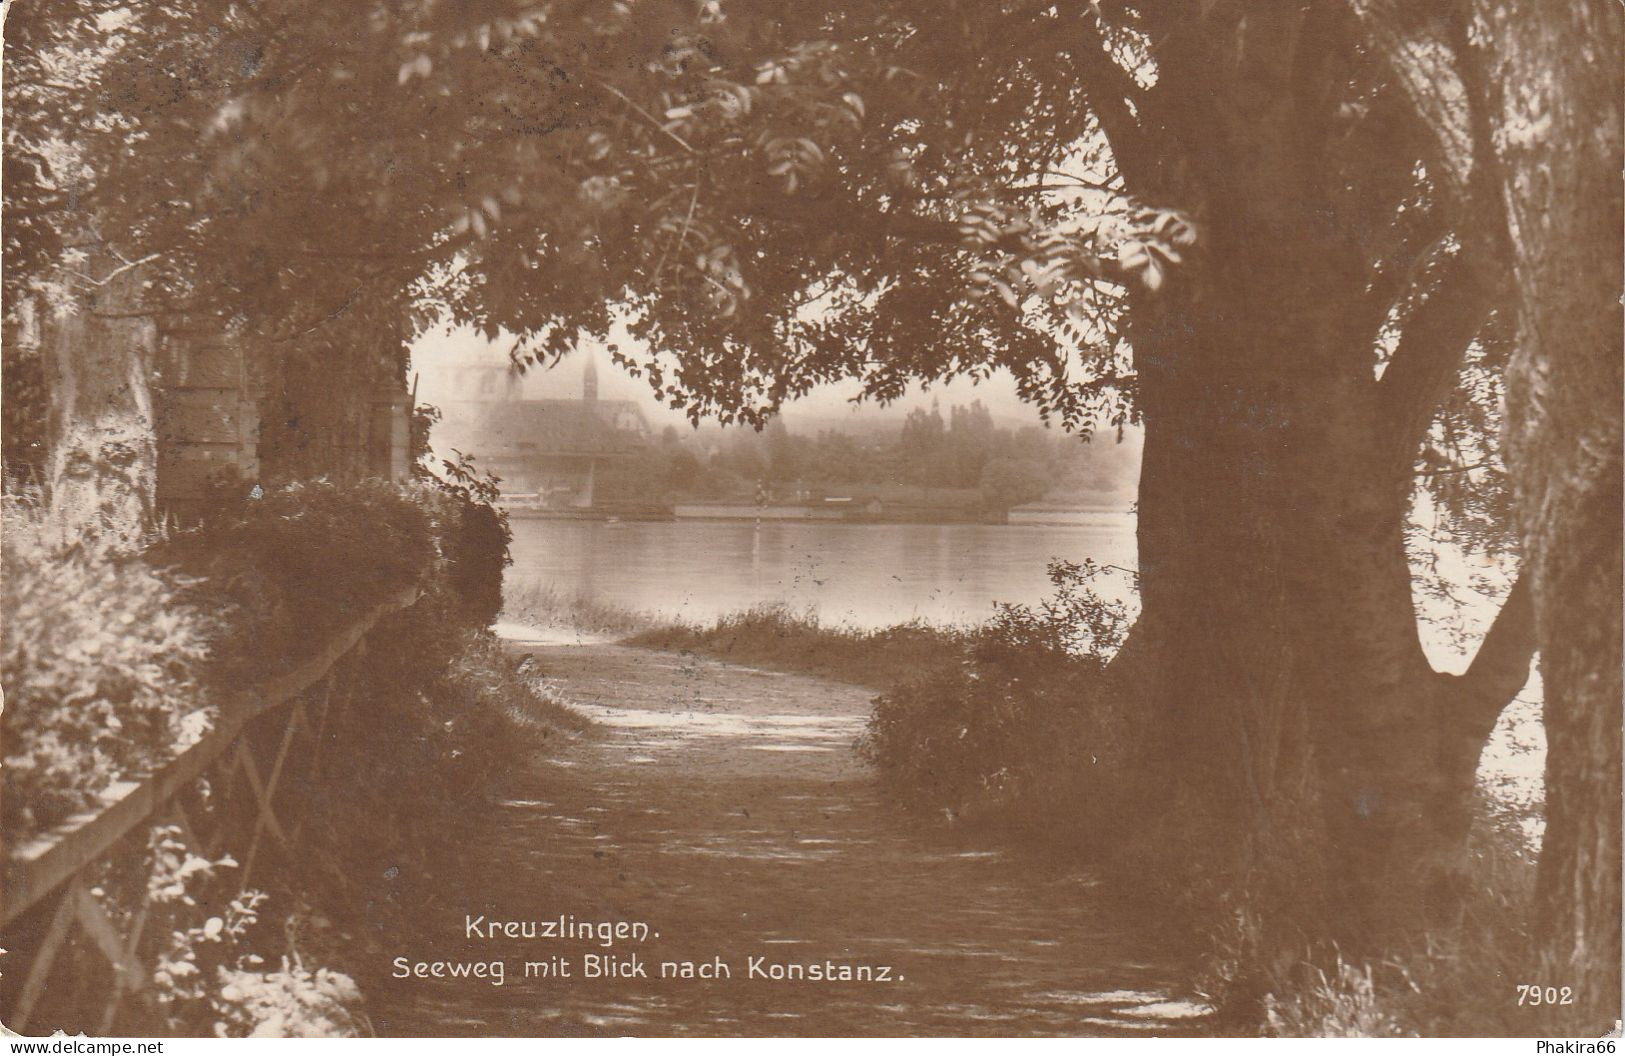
x=724, y=806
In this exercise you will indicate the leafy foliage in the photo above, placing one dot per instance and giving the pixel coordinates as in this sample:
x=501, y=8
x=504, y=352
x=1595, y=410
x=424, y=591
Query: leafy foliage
x=108, y=651
x=437, y=711
x=1028, y=728
x=772, y=196
x=474, y=534
x=689, y=154
x=101, y=661
x=207, y=977
x=1076, y=622
x=293, y=567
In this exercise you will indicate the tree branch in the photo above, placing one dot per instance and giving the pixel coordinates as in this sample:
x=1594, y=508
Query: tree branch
x=1424, y=365
x=1413, y=41
x=1427, y=51
x=1501, y=666
x=1397, y=274
x=849, y=216
x=110, y=276
x=656, y=122
x=1111, y=91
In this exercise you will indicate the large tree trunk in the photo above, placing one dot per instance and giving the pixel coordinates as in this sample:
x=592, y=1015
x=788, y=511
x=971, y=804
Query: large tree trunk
x=1278, y=622
x=1278, y=638
x=1551, y=91
x=102, y=446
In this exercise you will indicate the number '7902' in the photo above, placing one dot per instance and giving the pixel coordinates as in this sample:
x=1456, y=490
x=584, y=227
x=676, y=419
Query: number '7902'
x=1531, y=994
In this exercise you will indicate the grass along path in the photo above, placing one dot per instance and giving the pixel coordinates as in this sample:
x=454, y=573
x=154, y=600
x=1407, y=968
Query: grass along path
x=724, y=806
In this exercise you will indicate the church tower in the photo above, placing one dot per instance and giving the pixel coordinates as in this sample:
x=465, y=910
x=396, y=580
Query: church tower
x=589, y=379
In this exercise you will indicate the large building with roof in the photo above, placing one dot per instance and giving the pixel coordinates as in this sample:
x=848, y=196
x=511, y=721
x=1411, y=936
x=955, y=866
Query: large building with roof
x=554, y=453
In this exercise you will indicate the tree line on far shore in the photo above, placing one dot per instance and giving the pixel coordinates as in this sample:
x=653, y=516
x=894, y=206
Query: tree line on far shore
x=964, y=458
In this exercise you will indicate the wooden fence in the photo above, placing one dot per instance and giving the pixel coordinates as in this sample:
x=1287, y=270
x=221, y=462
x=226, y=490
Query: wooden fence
x=54, y=864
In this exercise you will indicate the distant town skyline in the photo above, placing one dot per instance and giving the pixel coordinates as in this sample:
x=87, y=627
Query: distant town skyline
x=827, y=407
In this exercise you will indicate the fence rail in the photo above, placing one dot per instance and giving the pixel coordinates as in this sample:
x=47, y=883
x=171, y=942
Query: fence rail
x=55, y=860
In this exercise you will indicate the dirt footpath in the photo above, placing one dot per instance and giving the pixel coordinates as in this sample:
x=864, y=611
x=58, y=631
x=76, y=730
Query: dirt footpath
x=723, y=808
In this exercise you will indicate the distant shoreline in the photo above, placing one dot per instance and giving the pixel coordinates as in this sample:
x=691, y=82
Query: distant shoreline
x=1058, y=518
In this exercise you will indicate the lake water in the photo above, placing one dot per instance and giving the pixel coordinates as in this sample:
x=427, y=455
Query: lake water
x=863, y=575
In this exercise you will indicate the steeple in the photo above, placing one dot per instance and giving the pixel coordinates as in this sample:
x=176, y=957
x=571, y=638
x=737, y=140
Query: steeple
x=589, y=379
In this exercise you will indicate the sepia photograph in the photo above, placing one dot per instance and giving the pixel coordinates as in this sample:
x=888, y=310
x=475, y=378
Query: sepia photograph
x=750, y=518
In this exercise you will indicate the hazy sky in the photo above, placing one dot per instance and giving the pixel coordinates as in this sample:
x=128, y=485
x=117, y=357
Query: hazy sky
x=463, y=346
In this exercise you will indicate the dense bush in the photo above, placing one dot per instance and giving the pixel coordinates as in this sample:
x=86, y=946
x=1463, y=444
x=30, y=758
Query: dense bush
x=474, y=537
x=418, y=720
x=107, y=649
x=100, y=663
x=476, y=555
x=299, y=563
x=437, y=711
x=1026, y=727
